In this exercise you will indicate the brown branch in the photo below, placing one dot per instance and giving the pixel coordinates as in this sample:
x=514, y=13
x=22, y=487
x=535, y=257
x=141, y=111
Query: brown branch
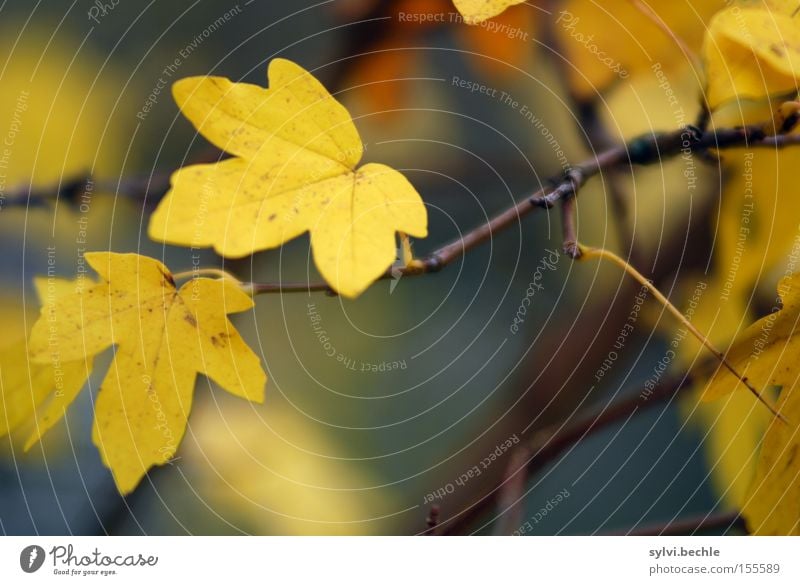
x=150, y=187
x=511, y=495
x=644, y=150
x=689, y=526
x=551, y=442
x=260, y=288
x=432, y=521
x=597, y=139
x=569, y=231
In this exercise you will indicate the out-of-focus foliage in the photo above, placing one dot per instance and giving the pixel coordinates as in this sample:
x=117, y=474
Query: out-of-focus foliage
x=34, y=395
x=768, y=352
x=606, y=41
x=275, y=473
x=752, y=53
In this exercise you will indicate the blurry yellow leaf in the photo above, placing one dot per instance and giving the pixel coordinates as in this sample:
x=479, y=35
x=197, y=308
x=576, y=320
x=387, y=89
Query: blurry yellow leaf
x=773, y=502
x=64, y=112
x=606, y=41
x=475, y=11
x=754, y=236
x=279, y=473
x=655, y=215
x=756, y=232
x=733, y=426
x=38, y=393
x=25, y=388
x=295, y=170
x=164, y=337
x=767, y=352
x=732, y=429
x=64, y=117
x=612, y=40
x=751, y=53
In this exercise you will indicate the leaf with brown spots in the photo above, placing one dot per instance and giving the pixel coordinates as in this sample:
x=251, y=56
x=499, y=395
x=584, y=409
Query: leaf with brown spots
x=295, y=170
x=164, y=337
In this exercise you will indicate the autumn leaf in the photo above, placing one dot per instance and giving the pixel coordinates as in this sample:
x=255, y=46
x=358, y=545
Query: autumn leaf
x=751, y=53
x=767, y=352
x=609, y=41
x=164, y=337
x=475, y=11
x=605, y=42
x=755, y=232
x=32, y=395
x=294, y=171
x=501, y=50
x=386, y=77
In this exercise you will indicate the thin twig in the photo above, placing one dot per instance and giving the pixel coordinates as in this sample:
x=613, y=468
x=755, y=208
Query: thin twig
x=644, y=150
x=511, y=497
x=689, y=526
x=569, y=231
x=432, y=521
x=587, y=252
x=597, y=139
x=549, y=443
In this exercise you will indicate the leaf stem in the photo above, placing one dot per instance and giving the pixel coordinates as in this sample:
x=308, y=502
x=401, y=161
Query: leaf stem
x=601, y=253
x=196, y=273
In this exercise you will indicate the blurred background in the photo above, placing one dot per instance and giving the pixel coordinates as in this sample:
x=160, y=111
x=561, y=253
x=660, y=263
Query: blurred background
x=422, y=379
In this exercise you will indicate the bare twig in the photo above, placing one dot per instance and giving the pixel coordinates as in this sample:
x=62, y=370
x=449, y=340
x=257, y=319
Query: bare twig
x=511, y=497
x=549, y=443
x=644, y=150
x=432, y=521
x=598, y=139
x=569, y=232
x=724, y=521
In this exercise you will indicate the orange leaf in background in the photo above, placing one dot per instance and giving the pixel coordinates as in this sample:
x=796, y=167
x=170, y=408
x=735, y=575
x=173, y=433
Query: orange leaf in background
x=379, y=78
x=507, y=44
x=383, y=66
x=382, y=70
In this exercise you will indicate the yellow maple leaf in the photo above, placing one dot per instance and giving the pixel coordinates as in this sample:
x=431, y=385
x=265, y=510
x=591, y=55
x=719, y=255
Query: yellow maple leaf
x=164, y=337
x=295, y=171
x=751, y=53
x=767, y=352
x=37, y=395
x=475, y=11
